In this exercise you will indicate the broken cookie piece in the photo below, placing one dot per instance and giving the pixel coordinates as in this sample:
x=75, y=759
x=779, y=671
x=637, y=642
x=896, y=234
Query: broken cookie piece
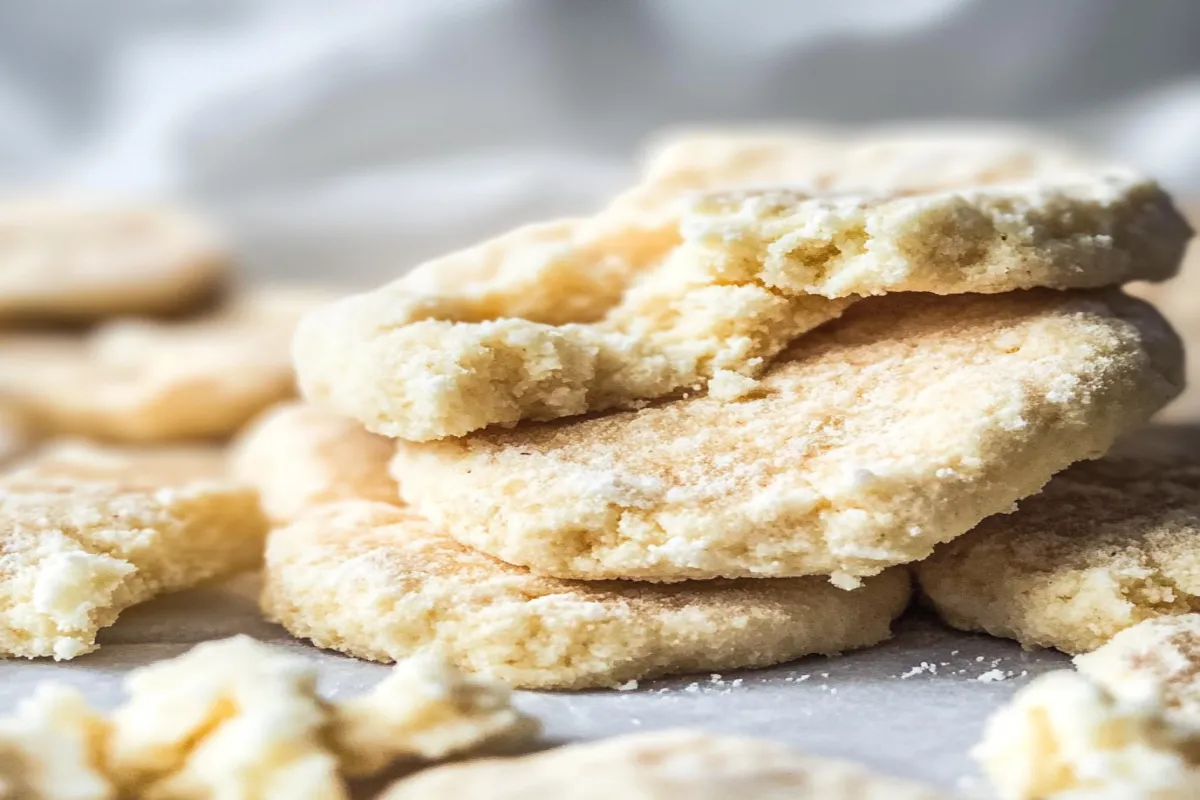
x=1065, y=737
x=86, y=532
x=52, y=748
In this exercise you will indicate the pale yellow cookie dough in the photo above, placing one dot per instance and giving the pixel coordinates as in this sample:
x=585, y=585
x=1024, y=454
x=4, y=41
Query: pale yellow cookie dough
x=299, y=456
x=378, y=582
x=663, y=764
x=52, y=748
x=1157, y=660
x=83, y=259
x=1105, y=545
x=736, y=278
x=143, y=381
x=425, y=710
x=87, y=532
x=228, y=719
x=1063, y=232
x=898, y=427
x=1063, y=737
x=237, y=718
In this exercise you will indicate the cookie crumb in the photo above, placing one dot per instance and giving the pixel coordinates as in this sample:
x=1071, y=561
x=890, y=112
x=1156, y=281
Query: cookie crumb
x=729, y=385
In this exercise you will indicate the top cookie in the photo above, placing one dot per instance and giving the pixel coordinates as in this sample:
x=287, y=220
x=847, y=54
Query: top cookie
x=899, y=426
x=64, y=259
x=749, y=277
x=662, y=764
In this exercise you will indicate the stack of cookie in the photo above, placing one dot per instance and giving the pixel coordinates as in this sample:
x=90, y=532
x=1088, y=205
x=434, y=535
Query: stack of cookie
x=707, y=427
x=121, y=327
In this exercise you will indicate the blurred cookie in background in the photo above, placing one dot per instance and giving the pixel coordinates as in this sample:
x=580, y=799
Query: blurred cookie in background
x=74, y=258
x=139, y=380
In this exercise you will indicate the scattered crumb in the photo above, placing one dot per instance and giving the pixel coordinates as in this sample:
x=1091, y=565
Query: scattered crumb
x=994, y=675
x=627, y=686
x=924, y=666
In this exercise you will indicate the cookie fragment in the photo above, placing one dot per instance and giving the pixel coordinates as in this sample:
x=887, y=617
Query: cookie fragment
x=53, y=748
x=237, y=718
x=227, y=719
x=1063, y=736
x=299, y=456
x=900, y=426
x=63, y=259
x=87, y=532
x=378, y=582
x=1106, y=545
x=678, y=763
x=425, y=711
x=1157, y=661
x=143, y=381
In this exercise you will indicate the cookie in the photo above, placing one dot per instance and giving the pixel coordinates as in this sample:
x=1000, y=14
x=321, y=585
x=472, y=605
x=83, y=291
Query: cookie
x=1060, y=232
x=1106, y=545
x=424, y=711
x=52, y=748
x=237, y=718
x=89, y=532
x=299, y=456
x=746, y=278
x=666, y=764
x=378, y=582
x=1063, y=736
x=1158, y=661
x=232, y=718
x=80, y=260
x=878, y=159
x=898, y=427
x=144, y=381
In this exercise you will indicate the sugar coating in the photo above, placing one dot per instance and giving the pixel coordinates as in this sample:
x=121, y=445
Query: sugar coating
x=1156, y=660
x=584, y=315
x=86, y=532
x=900, y=426
x=299, y=456
x=1106, y=545
x=1063, y=232
x=676, y=763
x=227, y=719
x=426, y=711
x=237, y=718
x=52, y=748
x=144, y=381
x=379, y=582
x=63, y=258
x=1063, y=737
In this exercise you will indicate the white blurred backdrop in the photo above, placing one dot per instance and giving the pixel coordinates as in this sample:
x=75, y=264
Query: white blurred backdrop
x=350, y=140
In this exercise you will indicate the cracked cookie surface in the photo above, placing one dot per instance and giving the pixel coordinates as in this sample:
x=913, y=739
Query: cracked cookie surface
x=87, y=532
x=755, y=270
x=379, y=582
x=1104, y=546
x=899, y=426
